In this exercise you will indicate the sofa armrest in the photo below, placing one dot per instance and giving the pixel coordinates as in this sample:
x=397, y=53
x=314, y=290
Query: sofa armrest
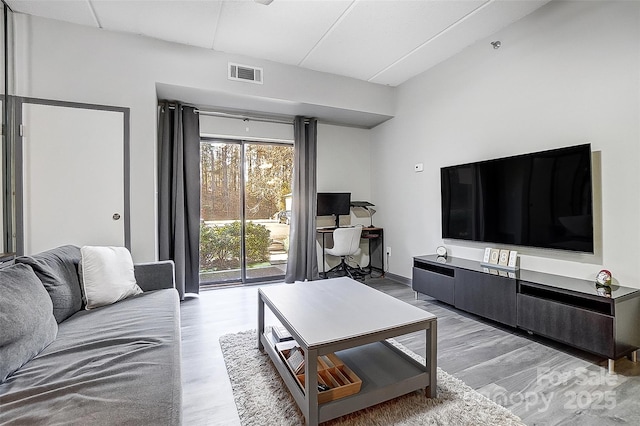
x=155, y=275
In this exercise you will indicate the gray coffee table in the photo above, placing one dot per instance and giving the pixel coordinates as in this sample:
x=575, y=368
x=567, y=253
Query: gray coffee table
x=353, y=320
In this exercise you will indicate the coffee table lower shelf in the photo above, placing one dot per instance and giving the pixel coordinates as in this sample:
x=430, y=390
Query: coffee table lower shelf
x=386, y=373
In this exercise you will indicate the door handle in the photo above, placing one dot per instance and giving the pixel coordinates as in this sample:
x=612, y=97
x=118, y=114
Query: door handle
x=116, y=216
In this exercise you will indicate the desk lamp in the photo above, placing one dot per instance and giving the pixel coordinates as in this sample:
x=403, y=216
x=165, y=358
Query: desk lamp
x=365, y=205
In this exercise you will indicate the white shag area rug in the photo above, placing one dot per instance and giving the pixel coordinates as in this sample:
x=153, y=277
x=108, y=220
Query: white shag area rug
x=263, y=399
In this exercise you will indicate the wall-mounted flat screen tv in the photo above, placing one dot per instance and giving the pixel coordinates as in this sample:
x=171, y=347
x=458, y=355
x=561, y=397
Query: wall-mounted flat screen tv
x=543, y=199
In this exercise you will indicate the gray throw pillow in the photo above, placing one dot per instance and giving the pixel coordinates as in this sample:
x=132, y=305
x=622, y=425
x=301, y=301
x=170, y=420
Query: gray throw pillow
x=58, y=271
x=26, y=318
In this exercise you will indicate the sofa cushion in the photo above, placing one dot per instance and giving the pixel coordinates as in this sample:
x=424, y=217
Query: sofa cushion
x=58, y=271
x=114, y=365
x=26, y=318
x=106, y=275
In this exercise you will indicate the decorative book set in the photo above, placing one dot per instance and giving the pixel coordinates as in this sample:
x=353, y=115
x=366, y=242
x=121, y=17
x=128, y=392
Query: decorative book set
x=500, y=259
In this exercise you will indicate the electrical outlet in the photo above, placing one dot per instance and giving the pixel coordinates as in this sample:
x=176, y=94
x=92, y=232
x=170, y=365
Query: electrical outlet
x=389, y=251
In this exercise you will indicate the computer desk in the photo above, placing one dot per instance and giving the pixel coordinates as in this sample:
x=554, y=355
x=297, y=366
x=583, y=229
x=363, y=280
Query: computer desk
x=374, y=235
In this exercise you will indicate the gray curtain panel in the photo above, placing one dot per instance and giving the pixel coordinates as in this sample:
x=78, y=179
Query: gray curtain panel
x=179, y=193
x=302, y=263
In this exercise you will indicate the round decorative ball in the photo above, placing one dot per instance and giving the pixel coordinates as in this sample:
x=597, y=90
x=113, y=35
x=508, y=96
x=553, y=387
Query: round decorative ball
x=604, y=277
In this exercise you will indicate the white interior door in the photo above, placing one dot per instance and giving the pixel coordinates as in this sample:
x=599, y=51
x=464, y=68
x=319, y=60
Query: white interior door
x=73, y=177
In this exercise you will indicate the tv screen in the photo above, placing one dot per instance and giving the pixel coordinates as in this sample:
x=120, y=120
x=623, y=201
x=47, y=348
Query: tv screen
x=543, y=199
x=334, y=203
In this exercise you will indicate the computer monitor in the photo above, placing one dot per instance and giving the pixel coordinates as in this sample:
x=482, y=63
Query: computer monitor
x=334, y=203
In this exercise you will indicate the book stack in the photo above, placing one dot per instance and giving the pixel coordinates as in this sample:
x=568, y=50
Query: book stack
x=280, y=334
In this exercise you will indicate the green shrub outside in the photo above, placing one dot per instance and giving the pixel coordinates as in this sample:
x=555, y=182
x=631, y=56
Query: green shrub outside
x=220, y=245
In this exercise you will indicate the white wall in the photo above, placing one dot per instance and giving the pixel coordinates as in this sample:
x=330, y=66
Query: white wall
x=344, y=165
x=68, y=62
x=344, y=160
x=567, y=74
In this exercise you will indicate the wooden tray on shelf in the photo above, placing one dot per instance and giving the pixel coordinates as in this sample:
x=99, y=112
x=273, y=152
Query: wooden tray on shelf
x=331, y=372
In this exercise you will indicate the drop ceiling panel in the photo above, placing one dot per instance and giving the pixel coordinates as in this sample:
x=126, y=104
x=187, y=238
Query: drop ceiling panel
x=187, y=22
x=77, y=12
x=481, y=24
x=375, y=34
x=382, y=41
x=284, y=31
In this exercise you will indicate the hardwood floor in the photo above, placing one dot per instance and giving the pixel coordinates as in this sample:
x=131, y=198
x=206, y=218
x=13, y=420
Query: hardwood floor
x=542, y=382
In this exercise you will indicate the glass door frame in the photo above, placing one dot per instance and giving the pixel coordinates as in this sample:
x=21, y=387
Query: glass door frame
x=243, y=142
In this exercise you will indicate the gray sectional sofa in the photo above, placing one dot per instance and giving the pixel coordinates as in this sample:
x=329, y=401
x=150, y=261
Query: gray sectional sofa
x=117, y=364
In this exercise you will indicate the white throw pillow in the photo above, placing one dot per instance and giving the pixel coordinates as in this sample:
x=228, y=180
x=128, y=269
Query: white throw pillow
x=106, y=275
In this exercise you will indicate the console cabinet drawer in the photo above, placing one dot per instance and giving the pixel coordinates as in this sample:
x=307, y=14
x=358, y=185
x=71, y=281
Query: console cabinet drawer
x=434, y=284
x=487, y=295
x=567, y=310
x=585, y=329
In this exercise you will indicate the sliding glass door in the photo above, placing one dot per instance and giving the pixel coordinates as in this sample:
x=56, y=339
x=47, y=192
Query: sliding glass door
x=245, y=210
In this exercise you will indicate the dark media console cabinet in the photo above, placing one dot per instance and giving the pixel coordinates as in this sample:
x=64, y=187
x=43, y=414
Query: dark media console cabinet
x=564, y=309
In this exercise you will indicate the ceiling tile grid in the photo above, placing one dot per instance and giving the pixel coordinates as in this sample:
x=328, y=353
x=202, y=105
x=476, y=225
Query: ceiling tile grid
x=484, y=21
x=375, y=34
x=76, y=12
x=380, y=41
x=186, y=22
x=284, y=31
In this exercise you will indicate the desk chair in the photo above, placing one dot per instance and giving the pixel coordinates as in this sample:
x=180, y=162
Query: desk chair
x=346, y=242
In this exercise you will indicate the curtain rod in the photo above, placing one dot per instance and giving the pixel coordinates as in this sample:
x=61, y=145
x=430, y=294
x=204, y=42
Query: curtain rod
x=244, y=117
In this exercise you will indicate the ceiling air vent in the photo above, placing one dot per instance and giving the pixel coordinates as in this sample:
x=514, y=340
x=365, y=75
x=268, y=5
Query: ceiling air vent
x=245, y=73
